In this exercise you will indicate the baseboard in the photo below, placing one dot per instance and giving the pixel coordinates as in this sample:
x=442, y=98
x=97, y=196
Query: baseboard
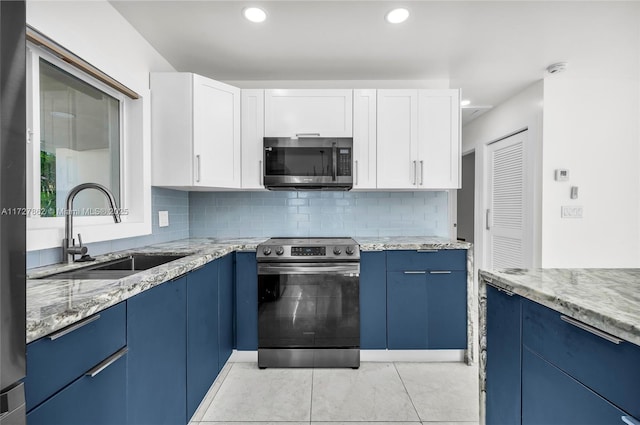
x=377, y=356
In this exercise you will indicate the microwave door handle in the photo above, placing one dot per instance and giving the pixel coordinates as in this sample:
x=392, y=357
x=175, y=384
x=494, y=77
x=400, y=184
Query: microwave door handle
x=335, y=161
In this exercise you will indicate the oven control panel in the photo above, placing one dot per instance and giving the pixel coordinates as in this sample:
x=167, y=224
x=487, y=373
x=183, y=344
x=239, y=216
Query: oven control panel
x=308, y=251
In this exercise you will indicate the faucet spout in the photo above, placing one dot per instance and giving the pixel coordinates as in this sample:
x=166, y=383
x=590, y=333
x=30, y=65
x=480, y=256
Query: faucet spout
x=69, y=249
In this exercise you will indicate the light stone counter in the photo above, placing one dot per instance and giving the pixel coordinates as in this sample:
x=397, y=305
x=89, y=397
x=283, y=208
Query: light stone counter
x=54, y=303
x=607, y=299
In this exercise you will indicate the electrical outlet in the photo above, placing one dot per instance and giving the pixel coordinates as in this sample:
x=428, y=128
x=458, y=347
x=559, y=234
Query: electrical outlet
x=163, y=218
x=571, y=211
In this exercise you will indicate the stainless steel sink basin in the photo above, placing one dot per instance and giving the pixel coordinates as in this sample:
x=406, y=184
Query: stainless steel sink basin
x=116, y=269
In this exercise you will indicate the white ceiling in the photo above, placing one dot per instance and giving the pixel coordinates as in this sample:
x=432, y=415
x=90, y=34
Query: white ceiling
x=491, y=50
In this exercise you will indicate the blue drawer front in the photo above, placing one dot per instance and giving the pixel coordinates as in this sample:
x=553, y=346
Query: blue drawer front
x=551, y=397
x=373, y=301
x=51, y=365
x=607, y=368
x=444, y=259
x=98, y=400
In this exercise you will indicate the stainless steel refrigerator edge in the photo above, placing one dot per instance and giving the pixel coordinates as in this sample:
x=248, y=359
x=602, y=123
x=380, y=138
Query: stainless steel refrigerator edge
x=12, y=204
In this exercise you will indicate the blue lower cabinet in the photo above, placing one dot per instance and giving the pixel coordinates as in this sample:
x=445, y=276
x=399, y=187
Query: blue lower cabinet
x=97, y=400
x=225, y=308
x=446, y=310
x=373, y=301
x=202, y=333
x=503, y=383
x=406, y=311
x=246, y=301
x=551, y=397
x=156, y=332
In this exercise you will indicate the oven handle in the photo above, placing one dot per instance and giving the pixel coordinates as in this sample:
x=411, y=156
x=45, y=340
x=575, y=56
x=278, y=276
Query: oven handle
x=352, y=270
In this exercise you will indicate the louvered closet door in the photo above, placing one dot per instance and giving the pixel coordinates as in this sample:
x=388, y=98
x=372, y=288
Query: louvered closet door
x=506, y=218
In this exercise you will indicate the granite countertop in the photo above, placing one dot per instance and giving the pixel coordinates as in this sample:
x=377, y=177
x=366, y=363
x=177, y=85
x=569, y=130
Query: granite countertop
x=55, y=303
x=607, y=299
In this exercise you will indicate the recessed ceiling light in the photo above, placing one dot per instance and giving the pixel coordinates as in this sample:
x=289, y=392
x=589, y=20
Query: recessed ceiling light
x=397, y=16
x=465, y=102
x=254, y=14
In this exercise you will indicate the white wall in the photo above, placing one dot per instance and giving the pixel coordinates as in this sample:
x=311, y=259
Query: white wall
x=591, y=128
x=522, y=111
x=97, y=33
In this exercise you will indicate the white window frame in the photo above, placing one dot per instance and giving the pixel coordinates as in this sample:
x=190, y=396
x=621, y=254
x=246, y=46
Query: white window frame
x=48, y=232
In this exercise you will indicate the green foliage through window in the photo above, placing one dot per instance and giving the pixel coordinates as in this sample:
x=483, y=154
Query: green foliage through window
x=47, y=184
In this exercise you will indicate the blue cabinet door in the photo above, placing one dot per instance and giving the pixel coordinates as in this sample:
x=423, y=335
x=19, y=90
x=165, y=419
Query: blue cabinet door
x=551, y=397
x=225, y=309
x=373, y=301
x=503, y=384
x=97, y=400
x=202, y=333
x=407, y=310
x=246, y=301
x=156, y=337
x=446, y=310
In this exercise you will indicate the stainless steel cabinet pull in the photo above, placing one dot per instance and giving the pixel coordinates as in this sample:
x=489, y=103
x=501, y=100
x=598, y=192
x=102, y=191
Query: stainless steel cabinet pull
x=307, y=134
x=75, y=326
x=591, y=329
x=107, y=362
x=630, y=420
x=487, y=216
x=415, y=272
x=197, y=168
x=440, y=272
x=356, y=171
x=421, y=172
x=261, y=173
x=427, y=250
x=506, y=291
x=415, y=172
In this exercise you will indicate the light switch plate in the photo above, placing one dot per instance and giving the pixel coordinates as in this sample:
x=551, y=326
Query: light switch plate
x=571, y=211
x=163, y=218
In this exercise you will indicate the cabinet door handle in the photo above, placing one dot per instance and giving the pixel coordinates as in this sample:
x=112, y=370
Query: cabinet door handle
x=107, y=362
x=487, y=216
x=591, y=329
x=261, y=173
x=356, y=170
x=415, y=272
x=307, y=134
x=415, y=172
x=630, y=420
x=75, y=326
x=427, y=250
x=421, y=172
x=440, y=272
x=506, y=291
x=198, y=168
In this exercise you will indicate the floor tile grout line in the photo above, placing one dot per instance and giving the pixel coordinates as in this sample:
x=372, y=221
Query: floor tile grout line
x=311, y=401
x=226, y=369
x=407, y=391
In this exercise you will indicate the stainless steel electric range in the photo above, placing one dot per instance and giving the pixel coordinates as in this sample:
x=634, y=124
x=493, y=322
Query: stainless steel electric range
x=309, y=303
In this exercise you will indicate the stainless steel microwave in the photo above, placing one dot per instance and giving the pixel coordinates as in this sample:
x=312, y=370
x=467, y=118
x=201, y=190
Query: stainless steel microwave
x=308, y=163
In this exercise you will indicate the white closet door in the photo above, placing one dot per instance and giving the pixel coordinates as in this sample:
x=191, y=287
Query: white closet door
x=507, y=217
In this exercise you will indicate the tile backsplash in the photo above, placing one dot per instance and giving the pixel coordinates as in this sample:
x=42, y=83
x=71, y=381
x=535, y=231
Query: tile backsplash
x=174, y=201
x=231, y=214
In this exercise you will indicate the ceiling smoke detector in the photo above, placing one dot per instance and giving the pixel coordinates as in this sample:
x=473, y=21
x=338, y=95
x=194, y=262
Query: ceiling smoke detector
x=557, y=68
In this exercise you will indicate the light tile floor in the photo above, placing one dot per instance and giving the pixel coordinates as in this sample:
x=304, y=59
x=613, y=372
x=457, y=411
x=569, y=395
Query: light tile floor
x=376, y=393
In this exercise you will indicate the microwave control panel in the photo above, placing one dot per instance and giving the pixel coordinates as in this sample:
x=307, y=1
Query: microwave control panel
x=344, y=162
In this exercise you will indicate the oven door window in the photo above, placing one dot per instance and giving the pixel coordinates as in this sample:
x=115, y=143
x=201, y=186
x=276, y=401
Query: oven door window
x=288, y=161
x=308, y=311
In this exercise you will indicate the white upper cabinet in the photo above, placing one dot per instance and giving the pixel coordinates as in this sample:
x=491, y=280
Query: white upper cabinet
x=364, y=139
x=323, y=113
x=252, y=134
x=397, y=154
x=439, y=141
x=418, y=139
x=195, y=132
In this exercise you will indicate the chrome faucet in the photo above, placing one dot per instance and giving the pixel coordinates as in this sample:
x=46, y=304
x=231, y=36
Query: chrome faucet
x=69, y=248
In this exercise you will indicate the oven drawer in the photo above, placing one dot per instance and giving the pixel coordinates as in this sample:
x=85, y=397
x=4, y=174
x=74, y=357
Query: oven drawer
x=607, y=368
x=445, y=259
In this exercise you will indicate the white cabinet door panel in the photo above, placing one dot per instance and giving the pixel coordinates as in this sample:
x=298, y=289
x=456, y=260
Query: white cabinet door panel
x=252, y=105
x=364, y=139
x=327, y=113
x=397, y=139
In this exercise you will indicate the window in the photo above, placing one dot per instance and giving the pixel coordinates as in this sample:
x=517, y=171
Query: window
x=77, y=138
x=79, y=141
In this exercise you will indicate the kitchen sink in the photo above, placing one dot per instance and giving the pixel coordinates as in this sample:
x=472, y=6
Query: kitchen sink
x=117, y=269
